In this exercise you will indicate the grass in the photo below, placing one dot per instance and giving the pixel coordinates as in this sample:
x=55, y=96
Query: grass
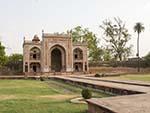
x=31, y=96
x=134, y=77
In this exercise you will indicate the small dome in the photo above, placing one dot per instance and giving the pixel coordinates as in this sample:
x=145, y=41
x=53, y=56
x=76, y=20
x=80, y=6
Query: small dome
x=36, y=38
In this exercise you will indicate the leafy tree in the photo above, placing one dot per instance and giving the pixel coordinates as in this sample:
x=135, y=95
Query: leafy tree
x=81, y=35
x=147, y=59
x=15, y=62
x=138, y=28
x=96, y=54
x=107, y=54
x=3, y=58
x=117, y=36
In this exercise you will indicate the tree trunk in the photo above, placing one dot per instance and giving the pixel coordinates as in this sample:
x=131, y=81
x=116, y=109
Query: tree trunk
x=120, y=56
x=138, y=54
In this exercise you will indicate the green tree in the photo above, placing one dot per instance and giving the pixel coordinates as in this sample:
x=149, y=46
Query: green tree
x=3, y=58
x=116, y=36
x=107, y=54
x=96, y=54
x=15, y=62
x=147, y=59
x=81, y=35
x=138, y=28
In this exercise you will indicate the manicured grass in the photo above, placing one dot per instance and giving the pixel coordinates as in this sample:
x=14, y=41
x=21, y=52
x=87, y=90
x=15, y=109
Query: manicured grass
x=143, y=77
x=33, y=96
x=134, y=77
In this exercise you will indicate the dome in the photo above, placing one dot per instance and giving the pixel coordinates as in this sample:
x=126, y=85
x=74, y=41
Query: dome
x=35, y=38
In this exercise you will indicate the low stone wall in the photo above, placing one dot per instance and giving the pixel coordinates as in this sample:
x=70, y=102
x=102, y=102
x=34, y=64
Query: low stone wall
x=121, y=70
x=53, y=73
x=132, y=100
x=93, y=108
x=120, y=104
x=106, y=89
x=20, y=77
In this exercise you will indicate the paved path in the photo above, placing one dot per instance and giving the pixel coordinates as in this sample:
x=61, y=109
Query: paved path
x=105, y=79
x=139, y=103
x=109, y=84
x=125, y=104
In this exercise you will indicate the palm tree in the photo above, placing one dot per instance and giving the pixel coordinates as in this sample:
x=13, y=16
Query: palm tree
x=138, y=28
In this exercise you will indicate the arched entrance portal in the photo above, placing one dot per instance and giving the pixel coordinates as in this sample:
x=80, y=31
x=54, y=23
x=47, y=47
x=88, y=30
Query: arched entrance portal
x=35, y=67
x=78, y=60
x=58, y=59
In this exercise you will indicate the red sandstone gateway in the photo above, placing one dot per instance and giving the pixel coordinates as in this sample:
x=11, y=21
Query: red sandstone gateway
x=54, y=54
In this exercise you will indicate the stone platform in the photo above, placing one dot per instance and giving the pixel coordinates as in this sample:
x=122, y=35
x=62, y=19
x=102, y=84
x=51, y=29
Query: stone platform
x=104, y=79
x=121, y=104
x=128, y=103
x=109, y=86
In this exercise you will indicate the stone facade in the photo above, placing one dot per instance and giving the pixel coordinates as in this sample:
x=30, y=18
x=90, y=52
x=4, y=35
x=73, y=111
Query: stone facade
x=54, y=53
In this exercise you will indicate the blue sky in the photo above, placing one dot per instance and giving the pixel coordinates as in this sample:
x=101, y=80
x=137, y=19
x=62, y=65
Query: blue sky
x=19, y=18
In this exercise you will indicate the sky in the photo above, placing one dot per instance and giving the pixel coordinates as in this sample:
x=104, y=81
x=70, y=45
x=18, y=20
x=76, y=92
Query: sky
x=25, y=18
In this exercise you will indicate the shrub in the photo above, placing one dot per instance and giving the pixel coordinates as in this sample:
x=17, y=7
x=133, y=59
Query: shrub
x=42, y=79
x=100, y=75
x=103, y=75
x=86, y=93
x=97, y=75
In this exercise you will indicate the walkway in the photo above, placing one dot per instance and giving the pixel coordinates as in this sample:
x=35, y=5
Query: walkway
x=109, y=84
x=137, y=103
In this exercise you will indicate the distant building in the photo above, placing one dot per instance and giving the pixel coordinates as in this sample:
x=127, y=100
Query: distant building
x=55, y=53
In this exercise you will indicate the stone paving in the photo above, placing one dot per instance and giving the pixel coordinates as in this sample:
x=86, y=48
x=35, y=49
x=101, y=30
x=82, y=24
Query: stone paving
x=107, y=79
x=124, y=104
x=139, y=103
x=137, y=88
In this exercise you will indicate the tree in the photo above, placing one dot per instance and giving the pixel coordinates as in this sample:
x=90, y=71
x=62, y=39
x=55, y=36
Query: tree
x=107, y=54
x=96, y=54
x=15, y=62
x=138, y=28
x=2, y=55
x=116, y=36
x=81, y=35
x=147, y=59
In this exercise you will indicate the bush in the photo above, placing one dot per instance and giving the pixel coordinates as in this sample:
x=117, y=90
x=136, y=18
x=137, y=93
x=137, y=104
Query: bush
x=100, y=75
x=42, y=79
x=97, y=75
x=86, y=93
x=103, y=74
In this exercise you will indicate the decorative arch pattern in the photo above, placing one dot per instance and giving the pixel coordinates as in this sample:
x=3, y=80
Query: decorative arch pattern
x=35, y=53
x=35, y=67
x=78, y=54
x=78, y=60
x=57, y=58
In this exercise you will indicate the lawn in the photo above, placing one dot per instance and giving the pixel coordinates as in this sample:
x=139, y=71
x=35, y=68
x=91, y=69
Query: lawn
x=134, y=77
x=33, y=96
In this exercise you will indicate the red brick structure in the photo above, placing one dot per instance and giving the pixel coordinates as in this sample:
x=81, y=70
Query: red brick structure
x=55, y=53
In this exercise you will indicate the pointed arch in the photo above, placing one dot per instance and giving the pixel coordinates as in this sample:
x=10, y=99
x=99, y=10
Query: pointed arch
x=35, y=53
x=57, y=58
